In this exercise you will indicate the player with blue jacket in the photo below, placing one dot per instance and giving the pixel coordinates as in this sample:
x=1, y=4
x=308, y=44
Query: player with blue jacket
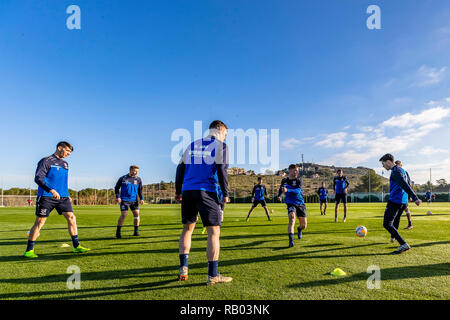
x=323, y=198
x=400, y=192
x=258, y=193
x=128, y=188
x=52, y=175
x=340, y=185
x=203, y=165
x=292, y=188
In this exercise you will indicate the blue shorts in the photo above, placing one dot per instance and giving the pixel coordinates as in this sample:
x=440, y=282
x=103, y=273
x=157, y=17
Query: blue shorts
x=340, y=197
x=133, y=205
x=298, y=209
x=206, y=203
x=45, y=205
x=261, y=202
x=323, y=200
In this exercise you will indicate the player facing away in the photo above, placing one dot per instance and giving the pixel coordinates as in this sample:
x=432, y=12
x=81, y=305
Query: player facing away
x=203, y=165
x=340, y=185
x=53, y=193
x=292, y=188
x=258, y=193
x=127, y=190
x=408, y=213
x=323, y=199
x=400, y=191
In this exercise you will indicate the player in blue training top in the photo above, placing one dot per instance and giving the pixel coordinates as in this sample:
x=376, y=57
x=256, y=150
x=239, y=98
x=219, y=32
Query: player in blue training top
x=127, y=190
x=400, y=192
x=258, y=193
x=428, y=196
x=53, y=193
x=340, y=186
x=292, y=188
x=323, y=198
x=408, y=213
x=203, y=165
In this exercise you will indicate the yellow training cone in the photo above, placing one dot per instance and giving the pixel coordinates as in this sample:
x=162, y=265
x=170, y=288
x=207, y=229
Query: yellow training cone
x=338, y=272
x=64, y=245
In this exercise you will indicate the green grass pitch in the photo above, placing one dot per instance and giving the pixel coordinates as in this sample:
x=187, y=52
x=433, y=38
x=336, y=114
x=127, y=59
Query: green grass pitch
x=255, y=254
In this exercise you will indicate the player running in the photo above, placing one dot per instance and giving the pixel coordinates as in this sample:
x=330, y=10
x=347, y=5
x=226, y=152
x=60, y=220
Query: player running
x=323, y=199
x=53, y=193
x=408, y=213
x=340, y=186
x=400, y=191
x=204, y=161
x=258, y=193
x=127, y=190
x=292, y=188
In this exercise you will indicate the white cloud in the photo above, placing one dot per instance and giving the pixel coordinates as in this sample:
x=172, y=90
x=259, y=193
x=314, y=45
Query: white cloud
x=428, y=76
x=428, y=150
x=428, y=116
x=290, y=144
x=374, y=141
x=333, y=140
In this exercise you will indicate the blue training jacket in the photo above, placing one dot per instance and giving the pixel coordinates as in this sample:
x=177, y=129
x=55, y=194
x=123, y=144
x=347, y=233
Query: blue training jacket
x=52, y=173
x=400, y=190
x=204, y=164
x=294, y=194
x=258, y=192
x=130, y=188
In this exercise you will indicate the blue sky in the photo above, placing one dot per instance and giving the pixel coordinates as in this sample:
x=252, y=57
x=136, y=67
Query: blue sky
x=137, y=70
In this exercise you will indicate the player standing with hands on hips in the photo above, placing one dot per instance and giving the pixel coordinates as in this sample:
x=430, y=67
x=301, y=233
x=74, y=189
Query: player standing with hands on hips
x=203, y=165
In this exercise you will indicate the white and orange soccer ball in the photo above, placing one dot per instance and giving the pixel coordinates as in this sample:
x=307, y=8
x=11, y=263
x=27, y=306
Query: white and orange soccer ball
x=429, y=213
x=361, y=231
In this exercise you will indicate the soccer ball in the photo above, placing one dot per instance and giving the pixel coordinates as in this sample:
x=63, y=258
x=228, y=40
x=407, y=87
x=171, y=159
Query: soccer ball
x=429, y=213
x=271, y=211
x=361, y=231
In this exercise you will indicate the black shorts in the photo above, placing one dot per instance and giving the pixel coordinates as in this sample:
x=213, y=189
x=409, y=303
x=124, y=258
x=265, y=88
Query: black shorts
x=323, y=201
x=341, y=197
x=133, y=205
x=45, y=205
x=298, y=209
x=206, y=203
x=261, y=202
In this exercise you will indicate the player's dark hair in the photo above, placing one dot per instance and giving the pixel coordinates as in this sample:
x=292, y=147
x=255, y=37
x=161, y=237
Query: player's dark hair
x=216, y=124
x=259, y=178
x=292, y=166
x=64, y=144
x=387, y=157
x=398, y=162
x=133, y=166
x=339, y=170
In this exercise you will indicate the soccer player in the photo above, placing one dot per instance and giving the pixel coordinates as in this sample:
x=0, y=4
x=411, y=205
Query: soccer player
x=340, y=185
x=428, y=196
x=204, y=163
x=323, y=198
x=291, y=186
x=53, y=193
x=408, y=213
x=127, y=190
x=400, y=191
x=258, y=193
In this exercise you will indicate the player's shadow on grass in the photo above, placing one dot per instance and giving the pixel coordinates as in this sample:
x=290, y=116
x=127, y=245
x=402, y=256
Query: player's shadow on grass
x=427, y=244
x=100, y=292
x=397, y=273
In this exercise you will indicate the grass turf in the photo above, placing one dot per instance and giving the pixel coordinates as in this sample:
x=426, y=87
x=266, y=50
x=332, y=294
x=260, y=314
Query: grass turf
x=254, y=253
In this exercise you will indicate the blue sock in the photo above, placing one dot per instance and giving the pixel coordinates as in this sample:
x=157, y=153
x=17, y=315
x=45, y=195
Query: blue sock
x=75, y=241
x=291, y=237
x=30, y=245
x=184, y=260
x=136, y=229
x=212, y=268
